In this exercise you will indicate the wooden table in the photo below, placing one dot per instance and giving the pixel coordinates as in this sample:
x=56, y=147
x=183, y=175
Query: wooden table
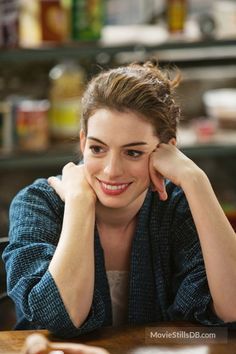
x=134, y=340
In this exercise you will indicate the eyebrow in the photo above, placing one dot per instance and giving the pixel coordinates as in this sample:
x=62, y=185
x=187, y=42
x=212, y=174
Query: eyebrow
x=135, y=143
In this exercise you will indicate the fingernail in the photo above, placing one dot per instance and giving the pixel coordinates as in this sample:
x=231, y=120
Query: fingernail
x=164, y=196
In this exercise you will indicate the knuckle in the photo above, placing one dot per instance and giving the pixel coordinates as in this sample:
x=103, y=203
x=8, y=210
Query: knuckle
x=68, y=165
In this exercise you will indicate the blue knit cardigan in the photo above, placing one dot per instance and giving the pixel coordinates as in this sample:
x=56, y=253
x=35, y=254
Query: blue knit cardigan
x=167, y=274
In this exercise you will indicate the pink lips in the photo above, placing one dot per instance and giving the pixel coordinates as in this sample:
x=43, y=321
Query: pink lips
x=113, y=188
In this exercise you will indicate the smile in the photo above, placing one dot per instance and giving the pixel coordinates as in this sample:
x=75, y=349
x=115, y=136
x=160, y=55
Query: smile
x=113, y=189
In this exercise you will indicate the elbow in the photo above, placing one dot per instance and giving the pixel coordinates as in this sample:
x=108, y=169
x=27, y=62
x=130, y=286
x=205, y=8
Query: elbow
x=228, y=317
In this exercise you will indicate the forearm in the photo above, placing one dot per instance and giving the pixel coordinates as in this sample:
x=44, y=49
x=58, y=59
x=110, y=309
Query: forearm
x=72, y=265
x=218, y=242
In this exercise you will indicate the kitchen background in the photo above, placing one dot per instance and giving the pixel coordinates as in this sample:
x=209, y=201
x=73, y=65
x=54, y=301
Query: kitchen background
x=50, y=48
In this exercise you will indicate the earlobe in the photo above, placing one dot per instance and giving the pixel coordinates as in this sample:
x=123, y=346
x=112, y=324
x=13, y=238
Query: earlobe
x=172, y=141
x=82, y=138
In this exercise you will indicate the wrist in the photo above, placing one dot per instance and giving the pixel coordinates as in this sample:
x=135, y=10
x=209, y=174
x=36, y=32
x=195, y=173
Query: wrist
x=193, y=176
x=81, y=198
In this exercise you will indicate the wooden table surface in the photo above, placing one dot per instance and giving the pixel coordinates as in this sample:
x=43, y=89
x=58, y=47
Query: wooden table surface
x=135, y=340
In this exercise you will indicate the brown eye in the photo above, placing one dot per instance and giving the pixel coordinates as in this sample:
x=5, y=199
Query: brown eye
x=96, y=149
x=134, y=153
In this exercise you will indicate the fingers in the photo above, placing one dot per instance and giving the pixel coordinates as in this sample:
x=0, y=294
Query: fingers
x=159, y=185
x=67, y=166
x=73, y=348
x=38, y=344
x=56, y=184
x=158, y=181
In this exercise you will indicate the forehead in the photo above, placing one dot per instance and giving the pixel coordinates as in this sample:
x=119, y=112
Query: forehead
x=127, y=125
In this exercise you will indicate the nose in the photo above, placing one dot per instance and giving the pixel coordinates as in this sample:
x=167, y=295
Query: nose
x=113, y=167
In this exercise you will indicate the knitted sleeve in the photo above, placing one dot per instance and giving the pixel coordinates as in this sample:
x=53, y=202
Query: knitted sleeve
x=193, y=301
x=35, y=225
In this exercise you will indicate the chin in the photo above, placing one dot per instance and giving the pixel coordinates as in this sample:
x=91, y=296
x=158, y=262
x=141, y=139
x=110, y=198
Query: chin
x=113, y=203
x=117, y=202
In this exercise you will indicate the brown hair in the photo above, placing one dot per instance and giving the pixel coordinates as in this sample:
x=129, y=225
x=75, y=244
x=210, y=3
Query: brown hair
x=139, y=87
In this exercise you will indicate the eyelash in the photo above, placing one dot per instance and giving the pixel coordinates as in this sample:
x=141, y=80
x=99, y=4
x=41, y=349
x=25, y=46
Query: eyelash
x=93, y=148
x=135, y=154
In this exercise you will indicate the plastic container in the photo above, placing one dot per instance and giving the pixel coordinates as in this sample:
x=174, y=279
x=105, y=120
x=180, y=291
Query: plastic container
x=220, y=104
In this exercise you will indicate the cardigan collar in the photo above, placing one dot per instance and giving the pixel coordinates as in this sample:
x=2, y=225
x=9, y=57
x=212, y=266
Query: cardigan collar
x=141, y=301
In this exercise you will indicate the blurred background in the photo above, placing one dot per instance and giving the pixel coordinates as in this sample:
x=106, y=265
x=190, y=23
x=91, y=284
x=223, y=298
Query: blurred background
x=50, y=48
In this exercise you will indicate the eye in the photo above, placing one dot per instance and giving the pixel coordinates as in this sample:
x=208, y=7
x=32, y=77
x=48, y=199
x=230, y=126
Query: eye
x=96, y=149
x=134, y=153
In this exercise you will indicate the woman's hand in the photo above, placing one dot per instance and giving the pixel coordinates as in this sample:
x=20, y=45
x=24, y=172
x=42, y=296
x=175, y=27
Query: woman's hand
x=72, y=265
x=73, y=183
x=167, y=161
x=216, y=235
x=38, y=344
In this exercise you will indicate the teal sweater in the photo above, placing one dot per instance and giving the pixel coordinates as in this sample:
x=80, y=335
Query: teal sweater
x=167, y=275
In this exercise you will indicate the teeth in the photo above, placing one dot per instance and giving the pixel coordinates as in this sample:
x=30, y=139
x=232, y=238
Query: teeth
x=114, y=188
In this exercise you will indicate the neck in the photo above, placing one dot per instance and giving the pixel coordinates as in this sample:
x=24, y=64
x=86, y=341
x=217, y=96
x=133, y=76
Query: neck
x=118, y=218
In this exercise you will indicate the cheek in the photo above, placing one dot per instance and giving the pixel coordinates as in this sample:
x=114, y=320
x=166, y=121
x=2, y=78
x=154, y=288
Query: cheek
x=91, y=166
x=142, y=171
x=146, y=176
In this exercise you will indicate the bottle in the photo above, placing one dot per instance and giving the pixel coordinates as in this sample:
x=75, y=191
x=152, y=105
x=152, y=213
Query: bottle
x=29, y=18
x=87, y=19
x=176, y=15
x=67, y=81
x=9, y=15
x=54, y=21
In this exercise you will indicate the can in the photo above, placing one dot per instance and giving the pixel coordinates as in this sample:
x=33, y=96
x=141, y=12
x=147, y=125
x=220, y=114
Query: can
x=32, y=125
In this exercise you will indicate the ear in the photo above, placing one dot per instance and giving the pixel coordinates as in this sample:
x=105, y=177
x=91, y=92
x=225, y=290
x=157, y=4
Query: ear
x=82, y=138
x=172, y=141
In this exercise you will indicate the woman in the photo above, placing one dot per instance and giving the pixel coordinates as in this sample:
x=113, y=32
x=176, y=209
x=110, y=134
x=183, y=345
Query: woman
x=134, y=234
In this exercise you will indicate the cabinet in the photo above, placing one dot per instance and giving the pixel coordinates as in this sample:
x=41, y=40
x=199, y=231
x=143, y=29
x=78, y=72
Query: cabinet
x=205, y=65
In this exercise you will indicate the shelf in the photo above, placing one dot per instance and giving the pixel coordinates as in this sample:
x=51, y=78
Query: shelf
x=58, y=157
x=222, y=143
x=174, y=50
x=210, y=151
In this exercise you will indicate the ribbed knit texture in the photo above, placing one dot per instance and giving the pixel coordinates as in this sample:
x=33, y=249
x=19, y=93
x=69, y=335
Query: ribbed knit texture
x=167, y=276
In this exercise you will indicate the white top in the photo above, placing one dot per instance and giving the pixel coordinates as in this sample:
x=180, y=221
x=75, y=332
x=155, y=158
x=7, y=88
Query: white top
x=119, y=284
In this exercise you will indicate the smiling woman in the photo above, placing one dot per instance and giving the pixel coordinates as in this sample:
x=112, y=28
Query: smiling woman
x=118, y=164
x=134, y=233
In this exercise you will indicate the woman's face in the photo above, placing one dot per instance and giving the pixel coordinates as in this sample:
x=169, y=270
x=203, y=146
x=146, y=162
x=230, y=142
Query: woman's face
x=116, y=154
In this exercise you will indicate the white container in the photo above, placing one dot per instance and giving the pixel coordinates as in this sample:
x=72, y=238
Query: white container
x=220, y=104
x=224, y=12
